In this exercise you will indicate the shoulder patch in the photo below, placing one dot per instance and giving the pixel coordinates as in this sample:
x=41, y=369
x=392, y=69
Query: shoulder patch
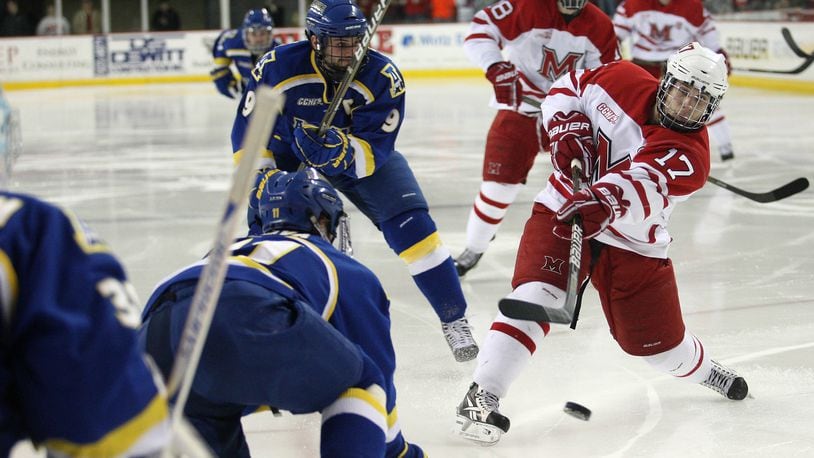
x=397, y=85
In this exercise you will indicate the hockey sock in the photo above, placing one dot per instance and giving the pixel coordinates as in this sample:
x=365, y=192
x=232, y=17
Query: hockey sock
x=687, y=360
x=413, y=236
x=355, y=424
x=487, y=213
x=719, y=129
x=510, y=343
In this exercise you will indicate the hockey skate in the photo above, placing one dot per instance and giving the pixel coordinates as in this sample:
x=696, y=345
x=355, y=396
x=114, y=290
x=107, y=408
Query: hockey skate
x=466, y=261
x=478, y=418
x=726, y=382
x=460, y=340
x=726, y=152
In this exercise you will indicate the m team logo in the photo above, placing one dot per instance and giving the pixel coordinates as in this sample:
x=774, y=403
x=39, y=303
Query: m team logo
x=553, y=68
x=553, y=265
x=660, y=34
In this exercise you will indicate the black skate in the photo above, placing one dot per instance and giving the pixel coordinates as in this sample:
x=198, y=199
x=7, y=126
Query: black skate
x=478, y=418
x=466, y=261
x=726, y=382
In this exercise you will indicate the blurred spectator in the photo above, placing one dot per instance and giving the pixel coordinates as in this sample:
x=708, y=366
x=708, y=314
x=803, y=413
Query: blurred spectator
x=416, y=10
x=608, y=6
x=53, y=25
x=165, y=18
x=277, y=13
x=15, y=23
x=87, y=19
x=366, y=6
x=442, y=10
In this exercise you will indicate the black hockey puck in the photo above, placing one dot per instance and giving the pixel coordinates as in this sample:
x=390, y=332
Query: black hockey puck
x=577, y=410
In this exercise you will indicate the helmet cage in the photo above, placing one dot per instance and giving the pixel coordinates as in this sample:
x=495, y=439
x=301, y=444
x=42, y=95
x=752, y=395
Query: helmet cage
x=682, y=106
x=257, y=31
x=572, y=4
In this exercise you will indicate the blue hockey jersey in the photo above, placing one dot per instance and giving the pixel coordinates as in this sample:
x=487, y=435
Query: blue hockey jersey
x=72, y=377
x=230, y=48
x=371, y=112
x=339, y=288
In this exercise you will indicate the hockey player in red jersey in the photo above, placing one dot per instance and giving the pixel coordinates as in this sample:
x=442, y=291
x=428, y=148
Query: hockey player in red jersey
x=540, y=41
x=643, y=149
x=658, y=28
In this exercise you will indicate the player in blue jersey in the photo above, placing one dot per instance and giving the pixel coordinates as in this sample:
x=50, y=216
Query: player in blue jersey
x=72, y=377
x=357, y=153
x=299, y=326
x=237, y=50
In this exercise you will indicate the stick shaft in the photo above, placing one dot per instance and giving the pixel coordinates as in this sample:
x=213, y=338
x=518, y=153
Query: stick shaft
x=359, y=57
x=207, y=291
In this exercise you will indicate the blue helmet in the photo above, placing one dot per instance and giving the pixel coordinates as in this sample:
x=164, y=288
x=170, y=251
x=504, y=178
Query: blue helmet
x=257, y=31
x=334, y=19
x=296, y=201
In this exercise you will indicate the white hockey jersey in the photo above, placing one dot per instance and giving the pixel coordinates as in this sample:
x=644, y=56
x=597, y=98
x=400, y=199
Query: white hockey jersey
x=655, y=167
x=656, y=31
x=539, y=42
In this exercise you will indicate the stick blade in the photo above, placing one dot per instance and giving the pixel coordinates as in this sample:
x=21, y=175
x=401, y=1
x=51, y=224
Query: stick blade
x=790, y=189
x=522, y=310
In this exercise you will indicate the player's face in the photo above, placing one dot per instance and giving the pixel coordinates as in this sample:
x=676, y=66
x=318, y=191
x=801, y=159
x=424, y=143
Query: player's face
x=258, y=37
x=338, y=52
x=686, y=103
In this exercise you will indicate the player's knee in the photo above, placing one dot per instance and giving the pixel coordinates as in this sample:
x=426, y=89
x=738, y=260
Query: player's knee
x=414, y=237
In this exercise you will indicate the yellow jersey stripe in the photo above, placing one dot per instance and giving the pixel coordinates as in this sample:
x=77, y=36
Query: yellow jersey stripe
x=9, y=288
x=333, y=279
x=121, y=439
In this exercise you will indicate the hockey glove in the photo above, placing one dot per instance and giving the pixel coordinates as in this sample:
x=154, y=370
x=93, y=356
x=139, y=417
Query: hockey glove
x=506, y=80
x=571, y=137
x=226, y=83
x=331, y=154
x=599, y=206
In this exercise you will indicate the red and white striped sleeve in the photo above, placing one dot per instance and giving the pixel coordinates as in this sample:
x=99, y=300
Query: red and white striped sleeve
x=708, y=34
x=622, y=23
x=485, y=39
x=669, y=168
x=564, y=95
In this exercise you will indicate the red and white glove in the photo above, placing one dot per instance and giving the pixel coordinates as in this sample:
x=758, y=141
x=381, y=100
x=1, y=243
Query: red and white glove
x=506, y=80
x=571, y=137
x=599, y=206
x=726, y=61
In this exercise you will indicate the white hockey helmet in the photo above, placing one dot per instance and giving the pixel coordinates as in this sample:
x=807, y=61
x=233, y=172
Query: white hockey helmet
x=692, y=87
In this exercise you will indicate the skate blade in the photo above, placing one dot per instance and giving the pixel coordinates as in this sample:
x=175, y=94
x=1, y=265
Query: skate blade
x=481, y=433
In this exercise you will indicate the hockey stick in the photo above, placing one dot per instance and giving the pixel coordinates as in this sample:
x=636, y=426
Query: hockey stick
x=522, y=310
x=793, y=44
x=788, y=189
x=809, y=58
x=359, y=57
x=207, y=291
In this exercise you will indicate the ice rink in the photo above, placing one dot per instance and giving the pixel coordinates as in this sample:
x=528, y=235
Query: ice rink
x=148, y=167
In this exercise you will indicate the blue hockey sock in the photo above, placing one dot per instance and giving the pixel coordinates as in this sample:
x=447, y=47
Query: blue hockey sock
x=413, y=236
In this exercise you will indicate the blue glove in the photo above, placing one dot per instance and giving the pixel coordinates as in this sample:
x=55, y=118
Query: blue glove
x=226, y=83
x=331, y=154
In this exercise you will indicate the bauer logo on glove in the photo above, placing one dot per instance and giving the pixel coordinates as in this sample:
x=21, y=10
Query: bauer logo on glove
x=571, y=137
x=331, y=154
